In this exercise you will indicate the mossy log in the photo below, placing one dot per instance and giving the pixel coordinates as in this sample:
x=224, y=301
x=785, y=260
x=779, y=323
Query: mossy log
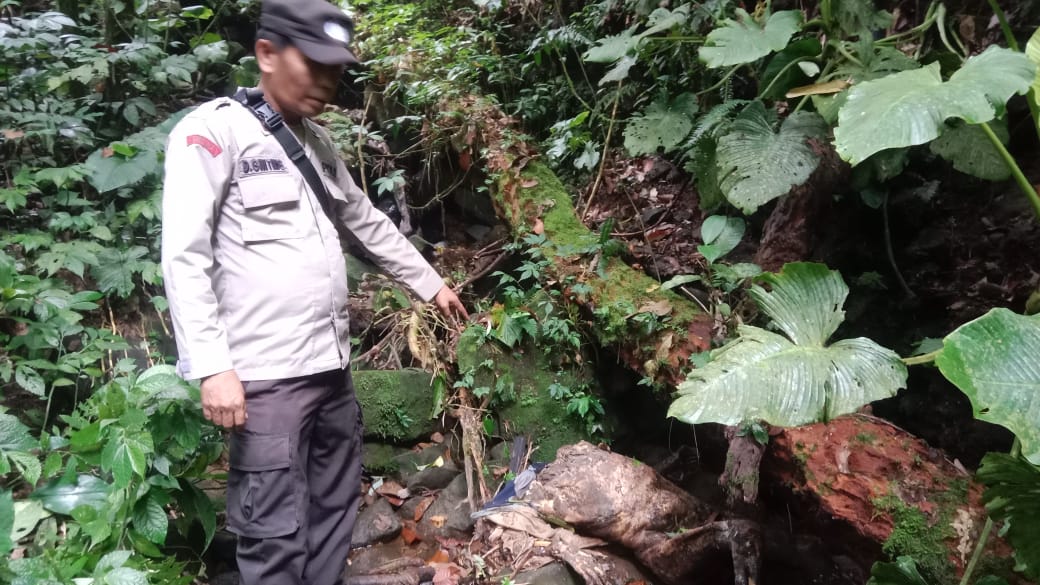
x=654, y=331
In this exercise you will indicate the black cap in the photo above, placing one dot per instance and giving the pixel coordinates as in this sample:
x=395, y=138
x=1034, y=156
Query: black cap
x=318, y=29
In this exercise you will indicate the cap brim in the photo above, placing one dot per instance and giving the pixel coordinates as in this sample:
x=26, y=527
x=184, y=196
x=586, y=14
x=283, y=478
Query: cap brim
x=325, y=53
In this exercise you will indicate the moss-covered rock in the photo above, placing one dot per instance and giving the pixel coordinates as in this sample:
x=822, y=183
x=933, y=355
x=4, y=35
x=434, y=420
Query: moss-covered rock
x=523, y=402
x=380, y=458
x=396, y=404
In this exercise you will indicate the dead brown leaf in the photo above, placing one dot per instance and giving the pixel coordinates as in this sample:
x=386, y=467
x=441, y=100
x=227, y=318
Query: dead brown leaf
x=539, y=227
x=107, y=152
x=12, y=134
x=529, y=183
x=447, y=574
x=660, y=308
x=438, y=521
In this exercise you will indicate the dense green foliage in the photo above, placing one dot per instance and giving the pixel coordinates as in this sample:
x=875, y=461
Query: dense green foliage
x=108, y=470
x=104, y=448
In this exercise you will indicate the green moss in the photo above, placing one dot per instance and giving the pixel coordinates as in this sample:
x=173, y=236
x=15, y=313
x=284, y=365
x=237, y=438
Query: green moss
x=396, y=403
x=529, y=410
x=622, y=291
x=914, y=535
x=865, y=438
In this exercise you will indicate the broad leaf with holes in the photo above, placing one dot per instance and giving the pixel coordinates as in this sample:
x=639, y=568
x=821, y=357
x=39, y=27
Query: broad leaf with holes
x=1013, y=496
x=744, y=40
x=912, y=107
x=993, y=360
x=665, y=124
x=758, y=162
x=795, y=378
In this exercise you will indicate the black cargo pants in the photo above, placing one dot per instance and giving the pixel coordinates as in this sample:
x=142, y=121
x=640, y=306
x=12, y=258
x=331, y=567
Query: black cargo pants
x=295, y=479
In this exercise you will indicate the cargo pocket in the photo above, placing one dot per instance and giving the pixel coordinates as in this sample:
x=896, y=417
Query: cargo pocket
x=262, y=497
x=271, y=208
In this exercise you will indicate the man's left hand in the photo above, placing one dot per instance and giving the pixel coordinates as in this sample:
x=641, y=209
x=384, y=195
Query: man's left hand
x=449, y=304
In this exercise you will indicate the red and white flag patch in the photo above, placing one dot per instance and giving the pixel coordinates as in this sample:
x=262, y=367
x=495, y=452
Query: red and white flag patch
x=206, y=143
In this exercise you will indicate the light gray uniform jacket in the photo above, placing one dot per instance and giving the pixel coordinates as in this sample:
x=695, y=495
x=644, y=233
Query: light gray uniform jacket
x=254, y=270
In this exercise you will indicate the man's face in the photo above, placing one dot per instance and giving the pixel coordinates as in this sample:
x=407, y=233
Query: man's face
x=298, y=86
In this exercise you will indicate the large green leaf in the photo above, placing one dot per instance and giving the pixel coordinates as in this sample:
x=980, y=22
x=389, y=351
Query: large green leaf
x=27, y=514
x=6, y=523
x=858, y=16
x=971, y=152
x=757, y=164
x=665, y=124
x=1013, y=496
x=902, y=572
x=797, y=379
x=911, y=107
x=116, y=268
x=612, y=48
x=744, y=40
x=150, y=519
x=995, y=361
x=61, y=498
x=14, y=436
x=108, y=171
x=1033, y=52
x=125, y=455
x=720, y=235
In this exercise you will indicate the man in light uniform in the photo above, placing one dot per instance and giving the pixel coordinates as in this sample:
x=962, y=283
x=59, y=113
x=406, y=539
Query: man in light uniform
x=257, y=286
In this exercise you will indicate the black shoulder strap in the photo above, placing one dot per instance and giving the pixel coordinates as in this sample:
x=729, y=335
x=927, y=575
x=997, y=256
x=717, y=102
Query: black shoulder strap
x=253, y=100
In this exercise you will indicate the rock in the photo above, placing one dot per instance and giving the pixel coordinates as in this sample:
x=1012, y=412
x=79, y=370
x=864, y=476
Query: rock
x=877, y=488
x=409, y=463
x=376, y=523
x=555, y=573
x=432, y=478
x=533, y=411
x=380, y=458
x=396, y=404
x=449, y=515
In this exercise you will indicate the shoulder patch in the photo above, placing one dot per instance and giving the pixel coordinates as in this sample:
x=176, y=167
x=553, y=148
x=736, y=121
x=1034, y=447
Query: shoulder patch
x=206, y=143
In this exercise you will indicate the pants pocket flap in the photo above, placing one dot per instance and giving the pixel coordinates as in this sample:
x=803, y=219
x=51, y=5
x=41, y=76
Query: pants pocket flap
x=260, y=452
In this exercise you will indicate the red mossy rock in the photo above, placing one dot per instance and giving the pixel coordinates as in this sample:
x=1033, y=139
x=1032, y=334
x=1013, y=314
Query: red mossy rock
x=864, y=479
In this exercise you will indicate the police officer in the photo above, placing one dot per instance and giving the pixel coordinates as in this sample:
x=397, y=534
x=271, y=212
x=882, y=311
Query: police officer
x=257, y=287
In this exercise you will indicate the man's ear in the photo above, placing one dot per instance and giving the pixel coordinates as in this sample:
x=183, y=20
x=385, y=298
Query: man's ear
x=267, y=54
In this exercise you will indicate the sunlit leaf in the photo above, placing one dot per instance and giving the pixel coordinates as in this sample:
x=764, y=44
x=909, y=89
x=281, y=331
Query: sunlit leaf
x=744, y=40
x=993, y=360
x=911, y=107
x=794, y=379
x=758, y=163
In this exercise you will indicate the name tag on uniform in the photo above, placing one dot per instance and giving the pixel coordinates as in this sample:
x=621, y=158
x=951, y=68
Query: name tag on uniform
x=261, y=166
